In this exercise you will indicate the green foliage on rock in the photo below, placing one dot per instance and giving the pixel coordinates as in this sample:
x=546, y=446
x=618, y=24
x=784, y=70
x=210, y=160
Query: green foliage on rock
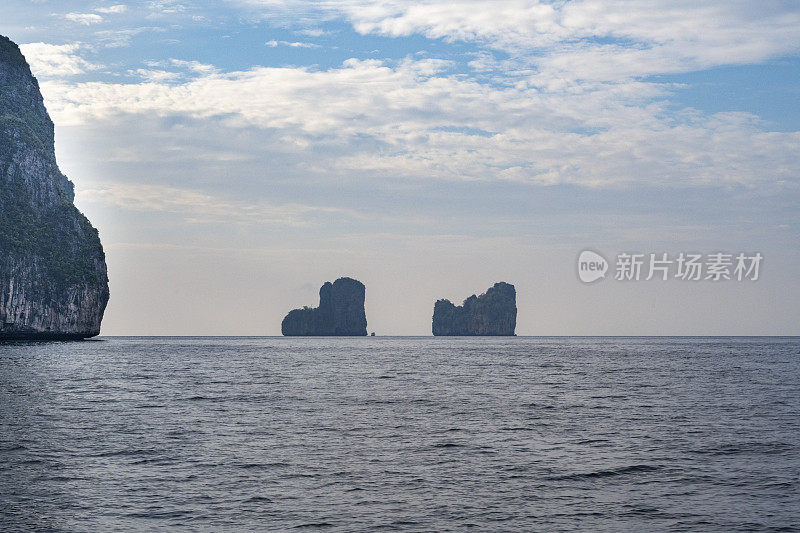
x=38, y=221
x=62, y=239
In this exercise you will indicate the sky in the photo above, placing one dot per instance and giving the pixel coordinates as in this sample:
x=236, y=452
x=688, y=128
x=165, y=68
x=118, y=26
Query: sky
x=236, y=154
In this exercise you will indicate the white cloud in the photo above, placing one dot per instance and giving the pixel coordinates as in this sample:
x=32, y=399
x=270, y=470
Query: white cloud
x=166, y=7
x=580, y=39
x=409, y=120
x=273, y=44
x=194, y=66
x=87, y=19
x=47, y=60
x=155, y=76
x=313, y=32
x=123, y=37
x=113, y=10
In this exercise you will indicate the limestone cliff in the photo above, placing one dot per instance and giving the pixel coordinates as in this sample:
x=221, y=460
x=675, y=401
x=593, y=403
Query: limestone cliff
x=340, y=312
x=53, y=281
x=492, y=313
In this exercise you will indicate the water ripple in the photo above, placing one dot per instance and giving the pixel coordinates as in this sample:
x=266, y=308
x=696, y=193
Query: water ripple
x=401, y=434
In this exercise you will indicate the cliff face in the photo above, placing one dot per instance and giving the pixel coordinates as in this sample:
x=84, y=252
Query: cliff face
x=53, y=280
x=340, y=312
x=492, y=313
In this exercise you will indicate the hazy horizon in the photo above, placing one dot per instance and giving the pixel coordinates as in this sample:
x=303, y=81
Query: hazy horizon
x=235, y=156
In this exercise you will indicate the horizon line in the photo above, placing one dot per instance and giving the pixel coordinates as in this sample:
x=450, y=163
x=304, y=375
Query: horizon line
x=441, y=336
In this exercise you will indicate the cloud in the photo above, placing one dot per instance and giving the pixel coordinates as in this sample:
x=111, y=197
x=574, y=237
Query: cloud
x=113, y=10
x=313, y=32
x=49, y=60
x=166, y=7
x=273, y=44
x=122, y=37
x=87, y=19
x=155, y=76
x=580, y=39
x=412, y=120
x=198, y=207
x=194, y=66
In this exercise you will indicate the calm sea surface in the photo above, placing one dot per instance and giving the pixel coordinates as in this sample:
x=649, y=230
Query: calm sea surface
x=401, y=434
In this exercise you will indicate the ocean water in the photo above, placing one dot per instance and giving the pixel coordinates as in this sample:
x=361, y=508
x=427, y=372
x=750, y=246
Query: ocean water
x=401, y=434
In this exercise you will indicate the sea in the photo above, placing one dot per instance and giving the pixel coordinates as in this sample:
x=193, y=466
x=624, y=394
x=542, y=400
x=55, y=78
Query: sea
x=401, y=434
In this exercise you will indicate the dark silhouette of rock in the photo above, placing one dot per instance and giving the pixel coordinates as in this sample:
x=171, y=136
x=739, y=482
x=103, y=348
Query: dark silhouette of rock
x=492, y=313
x=340, y=312
x=53, y=281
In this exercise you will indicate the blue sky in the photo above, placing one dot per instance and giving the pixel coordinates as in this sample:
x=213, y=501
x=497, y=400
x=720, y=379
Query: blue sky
x=237, y=154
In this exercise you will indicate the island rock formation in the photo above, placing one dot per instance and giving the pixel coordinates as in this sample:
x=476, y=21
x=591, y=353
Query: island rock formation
x=340, y=312
x=53, y=280
x=492, y=313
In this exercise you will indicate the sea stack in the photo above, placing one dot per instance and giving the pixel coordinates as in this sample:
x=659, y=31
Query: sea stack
x=340, y=312
x=53, y=280
x=491, y=313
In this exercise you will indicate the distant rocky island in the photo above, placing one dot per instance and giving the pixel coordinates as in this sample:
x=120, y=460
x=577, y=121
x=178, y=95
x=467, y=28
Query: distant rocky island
x=53, y=280
x=340, y=312
x=491, y=313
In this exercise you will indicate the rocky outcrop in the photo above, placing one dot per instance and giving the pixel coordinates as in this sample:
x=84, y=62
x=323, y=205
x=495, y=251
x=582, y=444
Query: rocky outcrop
x=492, y=313
x=53, y=281
x=340, y=312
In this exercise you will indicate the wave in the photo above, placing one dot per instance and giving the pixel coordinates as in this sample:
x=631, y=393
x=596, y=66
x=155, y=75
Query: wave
x=599, y=474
